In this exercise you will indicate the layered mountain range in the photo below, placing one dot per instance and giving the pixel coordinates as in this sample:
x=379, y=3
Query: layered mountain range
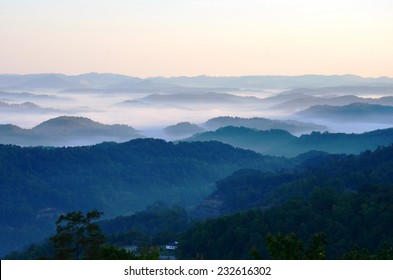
x=274, y=134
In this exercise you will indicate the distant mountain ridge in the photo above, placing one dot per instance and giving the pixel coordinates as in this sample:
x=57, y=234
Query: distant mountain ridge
x=190, y=100
x=291, y=126
x=66, y=131
x=25, y=108
x=183, y=128
x=264, y=82
x=282, y=143
x=297, y=102
x=114, y=81
x=27, y=97
x=355, y=112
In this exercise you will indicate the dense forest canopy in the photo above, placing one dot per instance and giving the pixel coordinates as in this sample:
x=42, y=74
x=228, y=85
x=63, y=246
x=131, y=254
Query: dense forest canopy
x=38, y=184
x=347, y=198
x=330, y=206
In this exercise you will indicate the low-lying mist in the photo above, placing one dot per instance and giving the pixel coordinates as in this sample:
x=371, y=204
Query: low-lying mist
x=149, y=113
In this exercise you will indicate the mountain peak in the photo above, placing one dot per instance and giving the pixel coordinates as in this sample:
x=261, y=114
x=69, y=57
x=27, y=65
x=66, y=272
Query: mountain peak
x=67, y=122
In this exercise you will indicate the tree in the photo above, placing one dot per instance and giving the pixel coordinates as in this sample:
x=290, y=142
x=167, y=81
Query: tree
x=290, y=247
x=77, y=236
x=284, y=247
x=111, y=252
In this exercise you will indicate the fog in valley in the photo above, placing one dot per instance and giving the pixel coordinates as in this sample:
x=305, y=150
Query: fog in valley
x=277, y=122
x=150, y=105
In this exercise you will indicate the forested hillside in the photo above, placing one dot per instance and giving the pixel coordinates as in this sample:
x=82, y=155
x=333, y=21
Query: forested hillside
x=278, y=142
x=348, y=199
x=38, y=184
x=246, y=189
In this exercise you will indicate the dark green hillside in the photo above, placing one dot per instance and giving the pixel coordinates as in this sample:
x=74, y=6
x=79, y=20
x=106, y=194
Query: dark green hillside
x=331, y=206
x=246, y=189
x=247, y=138
x=156, y=225
x=36, y=184
x=347, y=198
x=356, y=225
x=281, y=143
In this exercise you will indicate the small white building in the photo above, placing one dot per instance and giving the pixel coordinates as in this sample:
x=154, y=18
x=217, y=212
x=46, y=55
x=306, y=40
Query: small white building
x=171, y=246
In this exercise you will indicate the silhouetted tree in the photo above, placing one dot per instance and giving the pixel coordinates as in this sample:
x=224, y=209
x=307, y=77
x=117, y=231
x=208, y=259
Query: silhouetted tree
x=77, y=236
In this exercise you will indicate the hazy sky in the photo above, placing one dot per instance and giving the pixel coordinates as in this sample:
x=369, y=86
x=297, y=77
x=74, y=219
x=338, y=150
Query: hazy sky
x=193, y=37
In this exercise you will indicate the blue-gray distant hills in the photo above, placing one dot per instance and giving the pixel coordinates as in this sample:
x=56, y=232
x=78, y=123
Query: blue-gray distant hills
x=107, y=82
x=27, y=97
x=66, y=131
x=263, y=82
x=281, y=143
x=194, y=100
x=183, y=128
x=295, y=127
x=301, y=102
x=187, y=129
x=25, y=108
x=356, y=112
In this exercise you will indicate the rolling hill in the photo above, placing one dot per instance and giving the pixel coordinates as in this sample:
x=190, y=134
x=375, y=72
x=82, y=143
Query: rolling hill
x=291, y=126
x=192, y=100
x=355, y=112
x=66, y=131
x=282, y=143
x=25, y=108
x=38, y=184
x=183, y=129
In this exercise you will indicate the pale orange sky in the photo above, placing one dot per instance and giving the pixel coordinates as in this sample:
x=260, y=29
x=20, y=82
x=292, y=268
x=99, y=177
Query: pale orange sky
x=193, y=37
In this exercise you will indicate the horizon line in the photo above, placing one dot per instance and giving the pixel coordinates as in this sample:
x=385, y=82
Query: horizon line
x=197, y=76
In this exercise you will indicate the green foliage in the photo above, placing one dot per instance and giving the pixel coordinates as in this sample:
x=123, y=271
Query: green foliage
x=284, y=247
x=39, y=251
x=277, y=142
x=319, y=177
x=349, y=198
x=149, y=253
x=347, y=219
x=290, y=247
x=384, y=253
x=357, y=254
x=77, y=237
x=158, y=224
x=111, y=252
x=117, y=178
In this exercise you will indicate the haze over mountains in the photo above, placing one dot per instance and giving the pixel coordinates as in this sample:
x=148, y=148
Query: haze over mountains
x=277, y=142
x=66, y=131
x=355, y=112
x=67, y=126
x=101, y=81
x=151, y=104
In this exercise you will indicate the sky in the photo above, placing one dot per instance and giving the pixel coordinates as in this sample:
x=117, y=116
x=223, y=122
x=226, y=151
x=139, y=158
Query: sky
x=146, y=38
